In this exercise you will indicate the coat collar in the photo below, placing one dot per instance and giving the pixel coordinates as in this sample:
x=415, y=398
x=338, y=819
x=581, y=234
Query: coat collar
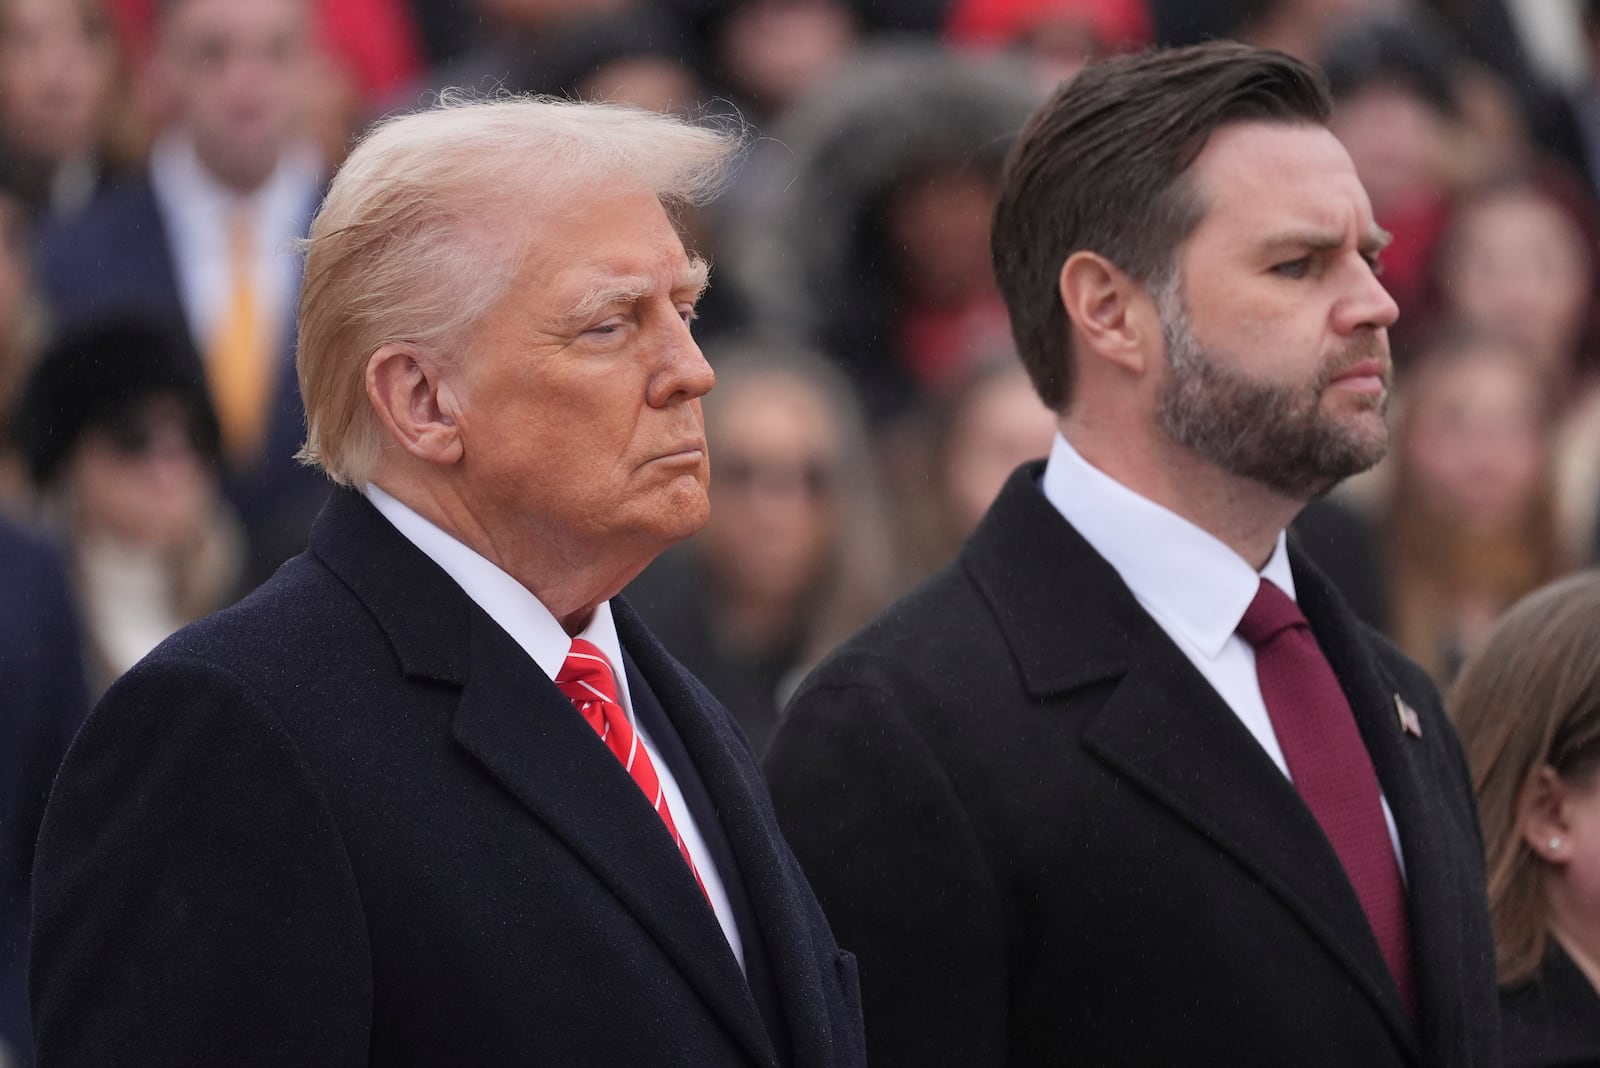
x=1071, y=622
x=524, y=734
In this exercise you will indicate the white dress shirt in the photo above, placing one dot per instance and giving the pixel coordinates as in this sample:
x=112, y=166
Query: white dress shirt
x=196, y=210
x=1195, y=587
x=532, y=626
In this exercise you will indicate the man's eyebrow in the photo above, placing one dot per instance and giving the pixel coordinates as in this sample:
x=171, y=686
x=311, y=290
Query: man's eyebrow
x=629, y=288
x=1375, y=240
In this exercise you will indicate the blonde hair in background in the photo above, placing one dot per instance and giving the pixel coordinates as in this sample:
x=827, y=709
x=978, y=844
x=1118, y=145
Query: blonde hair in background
x=1529, y=698
x=429, y=220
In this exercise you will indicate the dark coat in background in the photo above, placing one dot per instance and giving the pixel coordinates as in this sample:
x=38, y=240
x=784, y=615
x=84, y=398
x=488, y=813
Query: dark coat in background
x=1049, y=841
x=42, y=700
x=349, y=821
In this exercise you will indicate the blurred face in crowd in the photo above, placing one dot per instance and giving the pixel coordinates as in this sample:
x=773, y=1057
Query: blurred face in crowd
x=999, y=425
x=773, y=520
x=1474, y=445
x=577, y=403
x=234, y=72
x=1277, y=340
x=776, y=51
x=1397, y=142
x=141, y=480
x=939, y=225
x=654, y=83
x=1517, y=266
x=57, y=62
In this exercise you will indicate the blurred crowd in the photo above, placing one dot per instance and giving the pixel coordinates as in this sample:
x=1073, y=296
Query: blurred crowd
x=159, y=158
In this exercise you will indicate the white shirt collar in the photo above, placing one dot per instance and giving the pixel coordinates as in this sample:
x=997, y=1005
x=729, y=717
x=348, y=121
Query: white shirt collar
x=182, y=181
x=505, y=600
x=1185, y=577
x=197, y=213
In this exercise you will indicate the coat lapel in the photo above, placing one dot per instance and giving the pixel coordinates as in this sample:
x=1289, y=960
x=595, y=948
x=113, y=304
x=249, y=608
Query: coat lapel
x=1400, y=761
x=1072, y=623
x=728, y=770
x=527, y=736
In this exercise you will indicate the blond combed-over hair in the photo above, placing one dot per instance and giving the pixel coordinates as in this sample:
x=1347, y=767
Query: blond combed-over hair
x=428, y=221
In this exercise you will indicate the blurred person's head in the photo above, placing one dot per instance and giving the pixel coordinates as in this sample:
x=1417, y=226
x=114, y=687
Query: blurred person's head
x=1527, y=706
x=639, y=58
x=1301, y=28
x=992, y=422
x=1471, y=442
x=119, y=434
x=1392, y=82
x=1470, y=522
x=789, y=463
x=1054, y=37
x=495, y=325
x=58, y=64
x=936, y=220
x=771, y=53
x=232, y=75
x=1516, y=260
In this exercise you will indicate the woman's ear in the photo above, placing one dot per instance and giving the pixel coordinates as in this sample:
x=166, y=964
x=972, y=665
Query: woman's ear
x=1543, y=821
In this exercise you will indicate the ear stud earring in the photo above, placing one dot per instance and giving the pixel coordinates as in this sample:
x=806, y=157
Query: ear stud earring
x=1555, y=843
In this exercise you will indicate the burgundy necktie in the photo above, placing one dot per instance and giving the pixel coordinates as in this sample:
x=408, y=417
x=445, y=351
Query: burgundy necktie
x=588, y=682
x=1330, y=767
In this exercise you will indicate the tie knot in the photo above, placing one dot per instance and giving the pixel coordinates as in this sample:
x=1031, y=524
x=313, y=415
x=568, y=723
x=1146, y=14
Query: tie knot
x=586, y=675
x=1271, y=613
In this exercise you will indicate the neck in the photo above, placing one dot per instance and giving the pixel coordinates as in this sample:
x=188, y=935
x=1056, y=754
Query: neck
x=1241, y=513
x=568, y=578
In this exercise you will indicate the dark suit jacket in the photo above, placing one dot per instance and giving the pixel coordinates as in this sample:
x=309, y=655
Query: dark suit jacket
x=1049, y=841
x=113, y=261
x=42, y=700
x=349, y=821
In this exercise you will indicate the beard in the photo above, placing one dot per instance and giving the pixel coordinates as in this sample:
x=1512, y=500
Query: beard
x=1273, y=433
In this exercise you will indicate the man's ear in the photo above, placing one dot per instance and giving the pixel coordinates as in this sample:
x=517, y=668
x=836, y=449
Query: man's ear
x=1543, y=819
x=416, y=403
x=1113, y=316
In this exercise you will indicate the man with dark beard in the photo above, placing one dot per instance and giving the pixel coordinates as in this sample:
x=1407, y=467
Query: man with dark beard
x=1128, y=783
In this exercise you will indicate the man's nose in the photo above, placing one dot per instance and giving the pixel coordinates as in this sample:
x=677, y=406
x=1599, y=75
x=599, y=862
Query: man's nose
x=1368, y=305
x=684, y=373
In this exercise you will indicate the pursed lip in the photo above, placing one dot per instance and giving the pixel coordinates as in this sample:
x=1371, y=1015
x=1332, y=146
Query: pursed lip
x=1369, y=375
x=690, y=449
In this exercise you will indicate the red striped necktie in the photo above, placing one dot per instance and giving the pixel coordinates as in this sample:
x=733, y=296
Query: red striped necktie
x=1330, y=767
x=588, y=682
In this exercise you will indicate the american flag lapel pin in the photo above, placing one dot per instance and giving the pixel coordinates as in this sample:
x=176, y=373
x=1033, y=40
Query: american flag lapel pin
x=1408, y=717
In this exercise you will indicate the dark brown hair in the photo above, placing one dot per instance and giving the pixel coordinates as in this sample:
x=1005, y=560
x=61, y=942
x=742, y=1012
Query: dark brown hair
x=1528, y=699
x=1100, y=167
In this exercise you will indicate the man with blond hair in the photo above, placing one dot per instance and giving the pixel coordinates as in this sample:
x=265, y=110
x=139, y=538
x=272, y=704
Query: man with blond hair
x=431, y=796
